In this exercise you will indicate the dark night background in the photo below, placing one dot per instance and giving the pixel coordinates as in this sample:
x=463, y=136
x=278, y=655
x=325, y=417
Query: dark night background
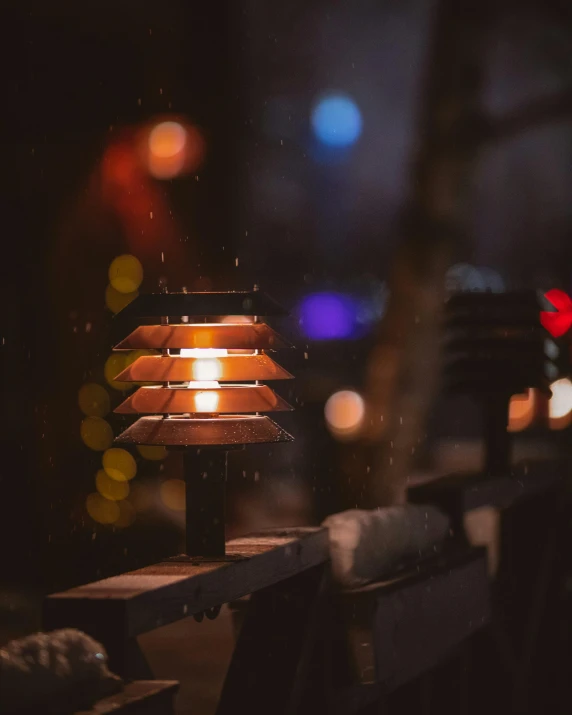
x=267, y=205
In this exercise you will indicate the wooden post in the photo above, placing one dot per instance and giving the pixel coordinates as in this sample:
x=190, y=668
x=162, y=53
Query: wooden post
x=274, y=657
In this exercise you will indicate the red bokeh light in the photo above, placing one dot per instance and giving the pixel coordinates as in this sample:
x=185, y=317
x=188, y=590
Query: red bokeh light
x=559, y=322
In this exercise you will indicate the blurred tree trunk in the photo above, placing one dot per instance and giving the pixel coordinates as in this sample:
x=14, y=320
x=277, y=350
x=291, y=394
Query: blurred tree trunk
x=404, y=367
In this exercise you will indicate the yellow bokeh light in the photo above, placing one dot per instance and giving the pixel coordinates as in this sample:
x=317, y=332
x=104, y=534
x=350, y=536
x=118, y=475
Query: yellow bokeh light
x=116, y=301
x=173, y=494
x=206, y=401
x=344, y=412
x=560, y=404
x=102, y=510
x=127, y=514
x=521, y=411
x=111, y=488
x=96, y=433
x=93, y=400
x=115, y=364
x=151, y=452
x=119, y=464
x=125, y=274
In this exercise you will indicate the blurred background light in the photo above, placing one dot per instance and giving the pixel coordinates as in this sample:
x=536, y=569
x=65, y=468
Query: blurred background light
x=327, y=316
x=93, y=400
x=119, y=464
x=344, y=412
x=522, y=409
x=173, y=148
x=111, y=488
x=125, y=273
x=116, y=301
x=115, y=364
x=173, y=494
x=152, y=453
x=559, y=321
x=336, y=120
x=466, y=277
x=96, y=433
x=127, y=514
x=560, y=404
x=102, y=510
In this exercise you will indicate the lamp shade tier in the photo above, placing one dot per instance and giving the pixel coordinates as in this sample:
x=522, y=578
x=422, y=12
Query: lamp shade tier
x=229, y=368
x=232, y=336
x=495, y=344
x=156, y=305
x=221, y=400
x=218, y=431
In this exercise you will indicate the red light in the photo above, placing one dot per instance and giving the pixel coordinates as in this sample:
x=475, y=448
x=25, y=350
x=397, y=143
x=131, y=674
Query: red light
x=557, y=323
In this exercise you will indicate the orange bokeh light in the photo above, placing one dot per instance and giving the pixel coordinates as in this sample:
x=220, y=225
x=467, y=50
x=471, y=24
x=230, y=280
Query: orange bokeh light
x=521, y=412
x=173, y=148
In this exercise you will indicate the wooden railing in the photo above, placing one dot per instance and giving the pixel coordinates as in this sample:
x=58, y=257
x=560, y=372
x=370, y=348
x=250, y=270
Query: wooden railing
x=294, y=649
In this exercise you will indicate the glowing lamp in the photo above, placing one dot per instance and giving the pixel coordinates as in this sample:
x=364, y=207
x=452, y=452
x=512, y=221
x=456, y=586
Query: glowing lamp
x=203, y=397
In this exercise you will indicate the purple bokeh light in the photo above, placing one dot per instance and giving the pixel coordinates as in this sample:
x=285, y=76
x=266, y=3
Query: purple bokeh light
x=328, y=316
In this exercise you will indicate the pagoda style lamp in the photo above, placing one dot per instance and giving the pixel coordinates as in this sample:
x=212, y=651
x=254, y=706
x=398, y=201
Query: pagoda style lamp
x=206, y=394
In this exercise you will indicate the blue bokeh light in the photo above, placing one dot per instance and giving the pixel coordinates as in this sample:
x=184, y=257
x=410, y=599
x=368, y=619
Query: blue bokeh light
x=327, y=316
x=336, y=120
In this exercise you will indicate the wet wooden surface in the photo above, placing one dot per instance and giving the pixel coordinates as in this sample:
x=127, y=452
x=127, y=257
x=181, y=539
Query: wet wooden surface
x=139, y=601
x=138, y=698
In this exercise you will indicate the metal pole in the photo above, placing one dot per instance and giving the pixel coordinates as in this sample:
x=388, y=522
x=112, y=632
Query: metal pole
x=205, y=472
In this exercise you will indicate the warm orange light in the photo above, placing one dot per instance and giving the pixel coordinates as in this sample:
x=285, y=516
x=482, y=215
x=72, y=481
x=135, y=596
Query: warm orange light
x=344, y=412
x=206, y=401
x=207, y=368
x=167, y=139
x=173, y=149
x=521, y=411
x=204, y=352
x=560, y=404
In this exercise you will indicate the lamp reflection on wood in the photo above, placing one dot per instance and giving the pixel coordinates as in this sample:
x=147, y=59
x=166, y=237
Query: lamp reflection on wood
x=198, y=402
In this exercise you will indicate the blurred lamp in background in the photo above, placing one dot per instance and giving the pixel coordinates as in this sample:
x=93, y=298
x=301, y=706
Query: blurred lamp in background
x=327, y=316
x=560, y=404
x=195, y=402
x=336, y=120
x=172, y=148
x=331, y=315
x=344, y=412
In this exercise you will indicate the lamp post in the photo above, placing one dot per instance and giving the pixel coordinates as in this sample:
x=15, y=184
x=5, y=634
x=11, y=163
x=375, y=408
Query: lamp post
x=495, y=348
x=206, y=395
